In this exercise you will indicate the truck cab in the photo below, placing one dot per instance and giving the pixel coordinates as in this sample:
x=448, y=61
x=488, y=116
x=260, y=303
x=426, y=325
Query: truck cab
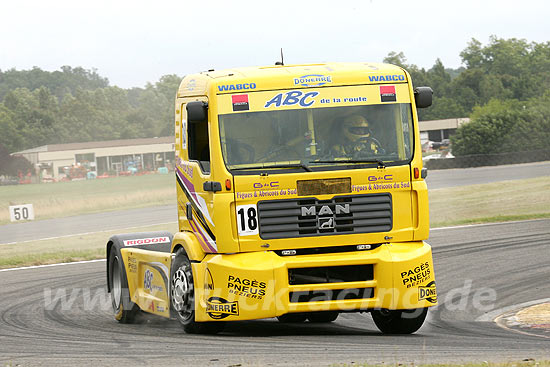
x=301, y=195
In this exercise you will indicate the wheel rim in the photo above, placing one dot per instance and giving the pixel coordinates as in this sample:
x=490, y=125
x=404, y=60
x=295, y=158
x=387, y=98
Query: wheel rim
x=116, y=288
x=181, y=294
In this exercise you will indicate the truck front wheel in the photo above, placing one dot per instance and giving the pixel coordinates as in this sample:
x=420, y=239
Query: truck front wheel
x=399, y=321
x=182, y=298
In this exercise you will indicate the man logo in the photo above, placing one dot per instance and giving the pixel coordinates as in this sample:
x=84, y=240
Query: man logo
x=325, y=223
x=325, y=210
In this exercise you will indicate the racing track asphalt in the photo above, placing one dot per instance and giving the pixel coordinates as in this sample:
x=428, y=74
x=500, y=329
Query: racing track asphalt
x=445, y=178
x=472, y=263
x=125, y=219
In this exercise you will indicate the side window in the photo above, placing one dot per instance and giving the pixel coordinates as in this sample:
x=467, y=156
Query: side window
x=198, y=144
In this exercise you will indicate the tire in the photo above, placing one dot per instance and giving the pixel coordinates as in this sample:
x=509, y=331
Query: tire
x=124, y=309
x=399, y=321
x=323, y=316
x=292, y=318
x=182, y=297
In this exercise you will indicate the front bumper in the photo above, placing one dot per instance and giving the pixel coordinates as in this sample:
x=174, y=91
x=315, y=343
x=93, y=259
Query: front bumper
x=259, y=285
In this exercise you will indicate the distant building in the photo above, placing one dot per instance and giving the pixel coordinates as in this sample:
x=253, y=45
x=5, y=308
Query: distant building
x=113, y=157
x=438, y=130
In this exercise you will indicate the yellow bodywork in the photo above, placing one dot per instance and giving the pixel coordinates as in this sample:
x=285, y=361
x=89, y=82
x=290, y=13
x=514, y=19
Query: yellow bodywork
x=240, y=275
x=148, y=274
x=256, y=284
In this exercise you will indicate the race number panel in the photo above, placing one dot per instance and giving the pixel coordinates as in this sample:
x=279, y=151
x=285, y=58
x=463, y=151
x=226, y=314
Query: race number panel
x=247, y=220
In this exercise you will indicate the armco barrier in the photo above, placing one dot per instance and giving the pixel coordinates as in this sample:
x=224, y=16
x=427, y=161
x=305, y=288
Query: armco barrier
x=479, y=160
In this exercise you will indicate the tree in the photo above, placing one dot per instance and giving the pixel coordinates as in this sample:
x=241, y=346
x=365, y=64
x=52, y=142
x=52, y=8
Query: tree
x=58, y=82
x=395, y=58
x=75, y=105
x=12, y=166
x=442, y=108
x=502, y=69
x=34, y=116
x=10, y=138
x=504, y=126
x=472, y=55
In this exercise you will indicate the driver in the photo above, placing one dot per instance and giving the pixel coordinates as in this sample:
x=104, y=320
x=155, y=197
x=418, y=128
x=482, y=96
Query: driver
x=356, y=138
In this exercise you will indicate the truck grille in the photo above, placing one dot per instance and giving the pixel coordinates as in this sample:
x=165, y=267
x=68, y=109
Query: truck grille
x=330, y=274
x=312, y=217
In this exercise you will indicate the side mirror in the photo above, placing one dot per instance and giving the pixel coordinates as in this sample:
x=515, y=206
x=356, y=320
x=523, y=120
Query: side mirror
x=197, y=112
x=423, y=97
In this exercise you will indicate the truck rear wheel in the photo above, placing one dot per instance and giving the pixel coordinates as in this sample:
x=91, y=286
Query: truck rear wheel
x=399, y=321
x=323, y=316
x=182, y=297
x=124, y=309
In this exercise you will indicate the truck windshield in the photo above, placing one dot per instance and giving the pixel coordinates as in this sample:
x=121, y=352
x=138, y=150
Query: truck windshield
x=317, y=137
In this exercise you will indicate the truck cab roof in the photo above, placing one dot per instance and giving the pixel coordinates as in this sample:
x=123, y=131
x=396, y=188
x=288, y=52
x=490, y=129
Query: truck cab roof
x=289, y=77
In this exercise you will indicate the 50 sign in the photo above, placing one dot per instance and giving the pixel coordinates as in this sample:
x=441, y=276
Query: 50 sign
x=21, y=212
x=247, y=220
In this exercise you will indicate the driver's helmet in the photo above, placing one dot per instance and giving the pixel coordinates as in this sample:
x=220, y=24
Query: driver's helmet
x=356, y=127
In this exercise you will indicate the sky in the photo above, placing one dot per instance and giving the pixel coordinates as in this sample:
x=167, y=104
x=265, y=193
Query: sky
x=135, y=42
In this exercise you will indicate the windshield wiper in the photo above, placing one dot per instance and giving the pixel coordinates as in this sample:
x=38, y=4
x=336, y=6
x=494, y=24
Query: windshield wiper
x=373, y=160
x=287, y=165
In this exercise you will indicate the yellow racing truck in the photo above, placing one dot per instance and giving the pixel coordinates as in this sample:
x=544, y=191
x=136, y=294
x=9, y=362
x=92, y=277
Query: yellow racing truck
x=300, y=194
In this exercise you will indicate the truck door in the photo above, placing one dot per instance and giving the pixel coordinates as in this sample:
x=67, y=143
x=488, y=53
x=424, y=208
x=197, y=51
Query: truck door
x=193, y=174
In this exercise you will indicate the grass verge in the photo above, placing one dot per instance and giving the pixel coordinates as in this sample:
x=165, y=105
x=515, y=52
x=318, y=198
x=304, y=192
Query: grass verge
x=494, y=202
x=494, y=219
x=63, y=199
x=525, y=363
x=65, y=249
